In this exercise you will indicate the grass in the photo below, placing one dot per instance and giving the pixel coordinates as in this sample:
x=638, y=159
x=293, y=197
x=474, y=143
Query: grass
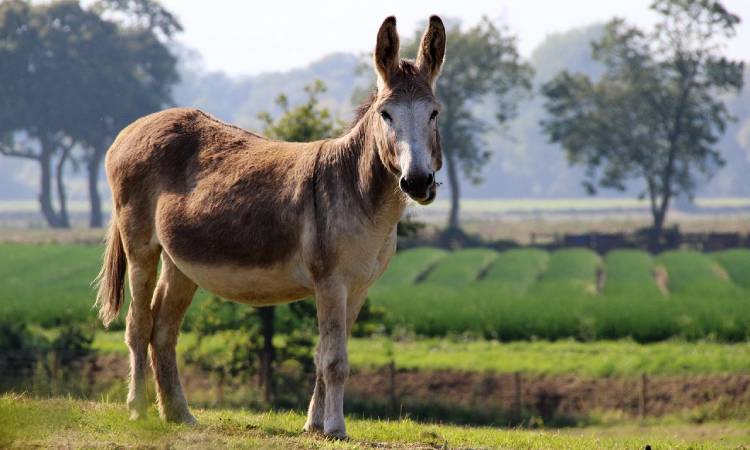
x=47, y=284
x=567, y=357
x=596, y=359
x=26, y=422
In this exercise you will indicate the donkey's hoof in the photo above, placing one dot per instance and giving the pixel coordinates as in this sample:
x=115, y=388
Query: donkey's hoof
x=339, y=435
x=181, y=417
x=137, y=415
x=311, y=427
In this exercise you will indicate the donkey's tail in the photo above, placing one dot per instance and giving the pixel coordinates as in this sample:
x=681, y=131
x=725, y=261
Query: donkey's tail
x=111, y=279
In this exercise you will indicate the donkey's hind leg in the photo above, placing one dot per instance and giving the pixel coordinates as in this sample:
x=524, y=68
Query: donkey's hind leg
x=143, y=260
x=174, y=293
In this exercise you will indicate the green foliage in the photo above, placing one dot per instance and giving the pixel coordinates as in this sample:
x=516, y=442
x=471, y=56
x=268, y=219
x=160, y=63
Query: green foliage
x=655, y=115
x=230, y=342
x=19, y=350
x=561, y=299
x=575, y=264
x=518, y=294
x=32, y=360
x=61, y=57
x=72, y=344
x=409, y=265
x=736, y=263
x=631, y=273
x=691, y=271
x=518, y=267
x=461, y=268
x=303, y=123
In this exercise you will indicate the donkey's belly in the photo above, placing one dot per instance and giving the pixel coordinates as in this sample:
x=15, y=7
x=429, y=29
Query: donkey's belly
x=255, y=286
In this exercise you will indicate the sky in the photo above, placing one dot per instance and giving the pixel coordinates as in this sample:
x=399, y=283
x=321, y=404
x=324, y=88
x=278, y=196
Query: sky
x=249, y=37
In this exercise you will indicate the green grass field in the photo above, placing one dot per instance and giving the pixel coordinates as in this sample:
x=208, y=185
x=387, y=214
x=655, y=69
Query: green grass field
x=513, y=295
x=67, y=423
x=567, y=357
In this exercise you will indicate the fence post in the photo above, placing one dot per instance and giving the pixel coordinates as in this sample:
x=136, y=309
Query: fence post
x=516, y=406
x=643, y=397
x=392, y=386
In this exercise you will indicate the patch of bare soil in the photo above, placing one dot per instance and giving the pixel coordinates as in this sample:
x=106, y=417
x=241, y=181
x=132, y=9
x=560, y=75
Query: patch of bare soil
x=567, y=394
x=661, y=278
x=547, y=395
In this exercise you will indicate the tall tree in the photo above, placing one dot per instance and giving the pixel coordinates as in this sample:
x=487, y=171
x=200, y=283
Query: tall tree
x=481, y=62
x=134, y=61
x=655, y=115
x=33, y=112
x=71, y=79
x=303, y=123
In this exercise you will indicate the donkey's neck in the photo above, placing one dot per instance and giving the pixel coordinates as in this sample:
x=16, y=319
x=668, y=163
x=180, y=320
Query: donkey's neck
x=368, y=182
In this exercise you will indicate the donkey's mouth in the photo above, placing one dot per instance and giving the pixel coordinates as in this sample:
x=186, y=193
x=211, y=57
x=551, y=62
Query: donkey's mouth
x=431, y=194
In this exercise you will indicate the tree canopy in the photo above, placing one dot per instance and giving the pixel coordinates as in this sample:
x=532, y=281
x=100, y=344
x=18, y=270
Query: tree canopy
x=655, y=115
x=73, y=79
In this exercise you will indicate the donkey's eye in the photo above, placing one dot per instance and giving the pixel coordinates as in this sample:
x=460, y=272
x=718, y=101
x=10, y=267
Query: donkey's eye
x=434, y=115
x=387, y=117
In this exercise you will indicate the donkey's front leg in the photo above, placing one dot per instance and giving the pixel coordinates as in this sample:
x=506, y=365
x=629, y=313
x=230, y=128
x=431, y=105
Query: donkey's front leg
x=333, y=362
x=316, y=410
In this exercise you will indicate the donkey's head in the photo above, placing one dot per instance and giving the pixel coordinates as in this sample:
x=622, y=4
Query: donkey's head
x=408, y=137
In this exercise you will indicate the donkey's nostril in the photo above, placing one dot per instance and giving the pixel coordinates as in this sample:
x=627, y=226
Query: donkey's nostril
x=430, y=179
x=403, y=184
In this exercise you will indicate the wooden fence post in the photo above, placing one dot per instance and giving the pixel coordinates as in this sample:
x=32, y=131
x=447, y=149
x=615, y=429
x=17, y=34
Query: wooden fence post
x=392, y=386
x=516, y=406
x=643, y=397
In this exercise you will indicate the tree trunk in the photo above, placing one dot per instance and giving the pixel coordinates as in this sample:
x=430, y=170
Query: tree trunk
x=95, y=200
x=269, y=353
x=45, y=185
x=63, y=218
x=454, y=186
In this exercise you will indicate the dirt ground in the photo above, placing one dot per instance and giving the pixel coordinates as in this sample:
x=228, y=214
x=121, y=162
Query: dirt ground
x=726, y=396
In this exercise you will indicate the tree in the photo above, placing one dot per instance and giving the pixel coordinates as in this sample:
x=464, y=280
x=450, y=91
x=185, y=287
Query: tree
x=33, y=114
x=71, y=80
x=134, y=61
x=303, y=123
x=655, y=115
x=481, y=61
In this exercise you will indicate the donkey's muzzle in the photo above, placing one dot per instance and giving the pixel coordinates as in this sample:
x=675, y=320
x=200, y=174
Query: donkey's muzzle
x=420, y=187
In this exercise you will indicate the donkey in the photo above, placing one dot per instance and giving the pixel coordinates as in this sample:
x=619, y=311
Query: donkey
x=264, y=222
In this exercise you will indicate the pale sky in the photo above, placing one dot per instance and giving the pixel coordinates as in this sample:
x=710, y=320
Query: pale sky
x=250, y=37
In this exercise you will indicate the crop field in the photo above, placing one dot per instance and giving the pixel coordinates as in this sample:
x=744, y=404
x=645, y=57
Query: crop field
x=517, y=294
x=67, y=423
x=571, y=293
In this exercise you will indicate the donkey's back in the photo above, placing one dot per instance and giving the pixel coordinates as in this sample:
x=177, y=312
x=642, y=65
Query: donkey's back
x=226, y=205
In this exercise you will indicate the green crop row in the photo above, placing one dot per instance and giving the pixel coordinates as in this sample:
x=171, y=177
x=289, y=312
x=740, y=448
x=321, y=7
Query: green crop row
x=512, y=295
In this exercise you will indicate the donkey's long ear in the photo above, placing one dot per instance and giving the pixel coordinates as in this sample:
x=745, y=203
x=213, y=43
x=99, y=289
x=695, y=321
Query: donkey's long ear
x=386, y=51
x=432, y=49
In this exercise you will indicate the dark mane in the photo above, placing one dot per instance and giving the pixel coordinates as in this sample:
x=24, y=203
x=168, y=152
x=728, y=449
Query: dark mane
x=362, y=109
